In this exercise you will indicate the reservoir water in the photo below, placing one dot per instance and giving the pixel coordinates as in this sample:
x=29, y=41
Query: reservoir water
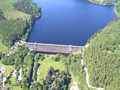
x=70, y=22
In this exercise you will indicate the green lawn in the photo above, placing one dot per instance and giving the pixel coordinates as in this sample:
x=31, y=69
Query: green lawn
x=13, y=81
x=3, y=47
x=8, y=69
x=16, y=88
x=10, y=12
x=46, y=63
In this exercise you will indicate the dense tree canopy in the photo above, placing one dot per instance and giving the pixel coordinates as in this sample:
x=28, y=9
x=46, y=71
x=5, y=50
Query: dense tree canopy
x=117, y=10
x=102, y=57
x=73, y=64
x=28, y=7
x=12, y=30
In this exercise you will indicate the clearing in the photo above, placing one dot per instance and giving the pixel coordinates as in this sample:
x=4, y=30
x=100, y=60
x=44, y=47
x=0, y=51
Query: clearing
x=46, y=63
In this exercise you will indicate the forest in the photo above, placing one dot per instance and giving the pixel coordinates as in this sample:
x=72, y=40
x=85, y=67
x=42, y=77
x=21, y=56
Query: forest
x=102, y=56
x=73, y=63
x=27, y=6
x=54, y=79
x=117, y=10
x=12, y=30
x=25, y=59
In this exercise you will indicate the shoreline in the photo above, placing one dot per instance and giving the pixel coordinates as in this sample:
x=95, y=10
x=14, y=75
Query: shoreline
x=101, y=3
x=89, y=2
x=106, y=5
x=116, y=16
x=115, y=12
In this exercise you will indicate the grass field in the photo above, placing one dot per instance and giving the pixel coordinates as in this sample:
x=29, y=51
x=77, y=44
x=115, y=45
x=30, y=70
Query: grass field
x=2, y=47
x=10, y=12
x=16, y=88
x=8, y=69
x=12, y=79
x=46, y=63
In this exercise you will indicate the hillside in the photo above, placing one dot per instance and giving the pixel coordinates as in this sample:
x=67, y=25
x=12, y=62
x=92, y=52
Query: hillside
x=102, y=56
x=25, y=70
x=117, y=10
x=15, y=18
x=10, y=12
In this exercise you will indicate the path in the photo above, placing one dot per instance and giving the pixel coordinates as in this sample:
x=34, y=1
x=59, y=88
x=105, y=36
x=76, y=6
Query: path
x=20, y=74
x=4, y=79
x=13, y=74
x=38, y=76
x=2, y=71
x=87, y=78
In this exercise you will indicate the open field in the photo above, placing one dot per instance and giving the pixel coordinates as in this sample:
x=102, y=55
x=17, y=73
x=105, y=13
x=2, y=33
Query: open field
x=2, y=47
x=12, y=79
x=16, y=88
x=46, y=63
x=10, y=12
x=8, y=69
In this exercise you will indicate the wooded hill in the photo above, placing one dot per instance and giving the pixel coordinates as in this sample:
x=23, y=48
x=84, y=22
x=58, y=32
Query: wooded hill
x=27, y=6
x=14, y=28
x=102, y=57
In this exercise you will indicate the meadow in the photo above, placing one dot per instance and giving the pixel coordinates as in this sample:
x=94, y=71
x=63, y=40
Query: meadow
x=46, y=63
x=10, y=12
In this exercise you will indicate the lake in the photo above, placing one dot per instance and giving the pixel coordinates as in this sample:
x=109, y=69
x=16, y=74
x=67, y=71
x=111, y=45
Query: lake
x=70, y=22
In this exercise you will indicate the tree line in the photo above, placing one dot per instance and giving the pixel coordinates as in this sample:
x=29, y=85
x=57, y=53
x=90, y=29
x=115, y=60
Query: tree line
x=107, y=2
x=27, y=6
x=102, y=56
x=17, y=29
x=12, y=30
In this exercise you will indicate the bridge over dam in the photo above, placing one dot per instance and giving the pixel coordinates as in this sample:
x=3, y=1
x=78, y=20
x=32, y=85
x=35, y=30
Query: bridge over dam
x=53, y=48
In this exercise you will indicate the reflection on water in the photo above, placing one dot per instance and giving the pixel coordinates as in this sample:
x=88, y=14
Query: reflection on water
x=70, y=22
